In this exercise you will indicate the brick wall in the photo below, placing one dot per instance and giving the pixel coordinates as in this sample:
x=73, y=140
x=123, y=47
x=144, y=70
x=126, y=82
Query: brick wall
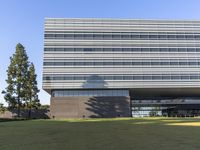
x=90, y=107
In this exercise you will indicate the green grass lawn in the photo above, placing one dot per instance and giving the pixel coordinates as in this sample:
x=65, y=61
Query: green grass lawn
x=101, y=134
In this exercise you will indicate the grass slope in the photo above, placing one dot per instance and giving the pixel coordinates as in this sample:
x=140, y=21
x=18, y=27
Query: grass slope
x=101, y=134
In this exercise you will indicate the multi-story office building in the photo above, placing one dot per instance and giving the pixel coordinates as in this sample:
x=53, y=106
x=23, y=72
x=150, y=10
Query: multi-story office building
x=108, y=67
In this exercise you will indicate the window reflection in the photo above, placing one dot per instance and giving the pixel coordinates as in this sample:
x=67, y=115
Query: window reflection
x=63, y=93
x=122, y=49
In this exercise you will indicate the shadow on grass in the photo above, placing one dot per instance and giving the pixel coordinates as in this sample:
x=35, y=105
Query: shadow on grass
x=139, y=121
x=187, y=122
x=11, y=119
x=18, y=119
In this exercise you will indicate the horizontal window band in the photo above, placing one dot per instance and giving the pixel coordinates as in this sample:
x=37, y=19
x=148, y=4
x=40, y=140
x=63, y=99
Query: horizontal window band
x=122, y=49
x=100, y=78
x=61, y=93
x=121, y=63
x=141, y=59
x=115, y=67
x=123, y=33
x=129, y=36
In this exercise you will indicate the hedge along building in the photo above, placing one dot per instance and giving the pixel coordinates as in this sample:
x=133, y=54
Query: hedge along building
x=106, y=67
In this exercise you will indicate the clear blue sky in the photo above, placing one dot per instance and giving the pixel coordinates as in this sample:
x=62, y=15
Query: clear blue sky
x=23, y=21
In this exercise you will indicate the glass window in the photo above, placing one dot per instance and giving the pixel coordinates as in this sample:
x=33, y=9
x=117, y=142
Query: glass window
x=175, y=77
x=78, y=36
x=173, y=49
x=118, y=63
x=153, y=36
x=146, y=63
x=189, y=36
x=164, y=63
x=107, y=49
x=116, y=37
x=98, y=36
x=171, y=36
x=78, y=78
x=126, y=49
x=156, y=77
x=197, y=36
x=70, y=93
x=155, y=63
x=69, y=49
x=58, y=78
x=162, y=36
x=88, y=63
x=136, y=63
x=191, y=50
x=88, y=36
x=48, y=63
x=87, y=49
x=95, y=77
x=108, y=63
x=69, y=78
x=144, y=36
x=182, y=49
x=127, y=78
x=136, y=49
x=145, y=49
x=69, y=63
x=59, y=63
x=78, y=49
x=108, y=77
x=78, y=63
x=61, y=93
x=48, y=49
x=47, y=78
x=180, y=36
x=147, y=78
x=117, y=78
x=154, y=49
x=192, y=63
x=49, y=36
x=136, y=36
x=117, y=49
x=127, y=37
x=98, y=49
x=185, y=77
x=127, y=63
x=194, y=77
x=174, y=63
x=98, y=63
x=166, y=77
x=183, y=63
x=57, y=49
x=137, y=77
x=164, y=50
x=69, y=36
x=107, y=36
x=59, y=36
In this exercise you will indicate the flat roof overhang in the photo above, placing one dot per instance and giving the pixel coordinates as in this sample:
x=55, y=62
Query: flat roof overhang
x=152, y=92
x=164, y=92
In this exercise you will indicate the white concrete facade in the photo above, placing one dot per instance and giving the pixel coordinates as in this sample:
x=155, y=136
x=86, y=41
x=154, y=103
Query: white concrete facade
x=121, y=54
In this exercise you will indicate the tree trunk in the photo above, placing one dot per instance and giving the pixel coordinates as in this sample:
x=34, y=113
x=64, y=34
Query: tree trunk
x=18, y=107
x=29, y=113
x=18, y=99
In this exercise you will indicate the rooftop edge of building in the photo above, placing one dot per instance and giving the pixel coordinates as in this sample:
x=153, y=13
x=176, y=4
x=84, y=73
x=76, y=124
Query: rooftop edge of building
x=121, y=19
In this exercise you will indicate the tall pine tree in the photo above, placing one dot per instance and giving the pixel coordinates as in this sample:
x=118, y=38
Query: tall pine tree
x=32, y=100
x=17, y=78
x=22, y=88
x=22, y=85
